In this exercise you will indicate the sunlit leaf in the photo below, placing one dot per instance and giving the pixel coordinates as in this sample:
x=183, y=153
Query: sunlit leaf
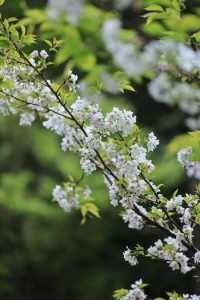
x=154, y=7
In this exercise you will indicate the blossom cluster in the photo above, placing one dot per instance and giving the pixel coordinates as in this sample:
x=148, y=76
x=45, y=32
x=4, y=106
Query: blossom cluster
x=21, y=88
x=124, y=165
x=111, y=144
x=73, y=10
x=174, y=248
x=164, y=59
x=66, y=198
x=137, y=292
x=192, y=167
x=170, y=252
x=69, y=196
x=125, y=55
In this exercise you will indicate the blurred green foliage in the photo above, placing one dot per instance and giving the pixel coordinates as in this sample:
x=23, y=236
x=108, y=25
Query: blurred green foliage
x=45, y=253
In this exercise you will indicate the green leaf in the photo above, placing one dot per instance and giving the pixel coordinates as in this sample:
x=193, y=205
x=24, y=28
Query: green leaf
x=4, y=42
x=85, y=61
x=34, y=15
x=118, y=294
x=174, y=296
x=184, y=78
x=175, y=4
x=28, y=39
x=93, y=209
x=155, y=16
x=197, y=219
x=154, y=7
x=14, y=32
x=57, y=43
x=129, y=88
x=197, y=207
x=182, y=141
x=163, y=200
x=12, y=19
x=8, y=84
x=195, y=134
x=88, y=209
x=154, y=29
x=187, y=23
x=196, y=36
x=23, y=29
x=122, y=181
x=84, y=213
x=6, y=24
x=157, y=212
x=175, y=193
x=141, y=286
x=71, y=178
x=198, y=188
x=49, y=43
x=2, y=2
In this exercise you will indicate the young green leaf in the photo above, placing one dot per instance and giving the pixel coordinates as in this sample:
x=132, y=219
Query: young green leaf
x=154, y=7
x=118, y=294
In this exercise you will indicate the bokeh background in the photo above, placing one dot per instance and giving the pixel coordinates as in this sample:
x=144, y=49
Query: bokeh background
x=44, y=252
